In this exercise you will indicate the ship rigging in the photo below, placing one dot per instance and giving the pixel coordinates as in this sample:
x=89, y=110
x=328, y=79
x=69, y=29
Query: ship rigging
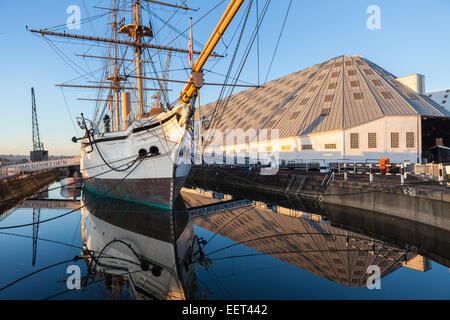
x=158, y=132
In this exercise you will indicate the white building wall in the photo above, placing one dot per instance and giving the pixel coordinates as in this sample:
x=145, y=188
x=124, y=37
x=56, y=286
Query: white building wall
x=290, y=149
x=383, y=129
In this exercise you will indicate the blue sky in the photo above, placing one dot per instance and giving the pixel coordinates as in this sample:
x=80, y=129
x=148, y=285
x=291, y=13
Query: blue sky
x=413, y=39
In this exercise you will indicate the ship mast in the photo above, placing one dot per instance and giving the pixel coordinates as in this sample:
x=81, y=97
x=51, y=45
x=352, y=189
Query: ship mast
x=138, y=32
x=116, y=71
x=138, y=40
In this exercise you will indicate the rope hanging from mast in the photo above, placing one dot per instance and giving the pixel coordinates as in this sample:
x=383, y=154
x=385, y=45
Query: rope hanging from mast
x=196, y=80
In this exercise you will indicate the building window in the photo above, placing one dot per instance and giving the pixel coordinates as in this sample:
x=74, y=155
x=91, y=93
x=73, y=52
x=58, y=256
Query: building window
x=410, y=96
x=351, y=72
x=372, y=140
x=410, y=140
x=328, y=98
x=354, y=83
x=354, y=140
x=386, y=95
x=304, y=101
x=443, y=102
x=312, y=89
x=376, y=83
x=395, y=140
x=329, y=146
x=270, y=124
x=332, y=85
x=286, y=148
x=325, y=111
x=357, y=95
x=307, y=147
x=294, y=115
x=396, y=83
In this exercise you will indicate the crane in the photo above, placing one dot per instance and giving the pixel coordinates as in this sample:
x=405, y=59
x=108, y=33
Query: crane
x=36, y=218
x=38, y=153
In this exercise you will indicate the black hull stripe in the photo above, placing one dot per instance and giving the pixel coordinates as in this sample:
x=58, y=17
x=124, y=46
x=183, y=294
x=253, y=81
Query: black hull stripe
x=154, y=125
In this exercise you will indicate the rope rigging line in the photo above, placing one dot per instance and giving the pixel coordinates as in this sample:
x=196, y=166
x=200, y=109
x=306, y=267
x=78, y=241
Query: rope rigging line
x=230, y=68
x=298, y=251
x=68, y=111
x=278, y=41
x=251, y=206
x=60, y=243
x=82, y=21
x=290, y=234
x=238, y=73
x=74, y=259
x=70, y=184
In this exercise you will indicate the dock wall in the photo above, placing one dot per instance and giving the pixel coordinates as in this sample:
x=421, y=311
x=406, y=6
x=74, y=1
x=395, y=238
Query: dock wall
x=427, y=204
x=15, y=189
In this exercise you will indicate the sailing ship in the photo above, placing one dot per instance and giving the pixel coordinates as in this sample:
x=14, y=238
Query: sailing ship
x=142, y=157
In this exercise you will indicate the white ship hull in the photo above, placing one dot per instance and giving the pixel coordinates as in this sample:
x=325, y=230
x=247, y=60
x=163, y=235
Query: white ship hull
x=111, y=166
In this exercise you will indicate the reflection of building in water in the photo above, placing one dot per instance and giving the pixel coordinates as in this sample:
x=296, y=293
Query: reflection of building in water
x=199, y=197
x=148, y=247
x=303, y=240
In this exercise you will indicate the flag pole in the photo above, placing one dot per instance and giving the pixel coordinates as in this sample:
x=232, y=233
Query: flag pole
x=191, y=58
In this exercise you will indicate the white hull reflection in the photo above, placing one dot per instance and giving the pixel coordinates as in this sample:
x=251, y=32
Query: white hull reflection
x=151, y=250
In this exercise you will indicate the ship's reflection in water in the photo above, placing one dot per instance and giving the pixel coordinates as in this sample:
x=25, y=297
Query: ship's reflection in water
x=148, y=248
x=216, y=246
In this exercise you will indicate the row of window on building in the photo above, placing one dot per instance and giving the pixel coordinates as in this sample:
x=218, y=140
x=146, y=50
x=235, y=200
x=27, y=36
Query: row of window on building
x=354, y=143
x=371, y=141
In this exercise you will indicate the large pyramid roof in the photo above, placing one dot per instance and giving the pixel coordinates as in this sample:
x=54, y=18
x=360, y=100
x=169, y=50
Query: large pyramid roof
x=337, y=94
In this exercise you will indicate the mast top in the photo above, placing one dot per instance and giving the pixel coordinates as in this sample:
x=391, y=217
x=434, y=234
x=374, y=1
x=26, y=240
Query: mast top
x=132, y=29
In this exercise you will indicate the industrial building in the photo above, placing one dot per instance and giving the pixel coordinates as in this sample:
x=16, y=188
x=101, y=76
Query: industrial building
x=346, y=109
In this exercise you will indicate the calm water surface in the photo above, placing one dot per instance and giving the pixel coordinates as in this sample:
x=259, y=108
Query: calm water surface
x=255, y=249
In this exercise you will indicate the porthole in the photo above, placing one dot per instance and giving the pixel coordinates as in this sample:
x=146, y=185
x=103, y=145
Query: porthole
x=154, y=150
